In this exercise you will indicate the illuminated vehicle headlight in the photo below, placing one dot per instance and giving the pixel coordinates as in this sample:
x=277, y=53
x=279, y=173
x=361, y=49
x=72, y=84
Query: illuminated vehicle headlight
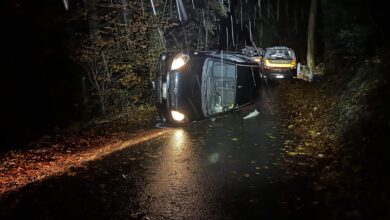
x=179, y=61
x=177, y=116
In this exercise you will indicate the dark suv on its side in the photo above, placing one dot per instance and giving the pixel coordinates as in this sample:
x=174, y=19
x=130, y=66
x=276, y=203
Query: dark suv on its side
x=191, y=86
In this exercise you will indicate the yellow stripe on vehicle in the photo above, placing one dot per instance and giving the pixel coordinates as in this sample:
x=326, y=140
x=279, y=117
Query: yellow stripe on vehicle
x=282, y=65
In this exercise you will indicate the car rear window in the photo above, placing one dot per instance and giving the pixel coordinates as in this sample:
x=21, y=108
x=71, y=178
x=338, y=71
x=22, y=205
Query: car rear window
x=280, y=54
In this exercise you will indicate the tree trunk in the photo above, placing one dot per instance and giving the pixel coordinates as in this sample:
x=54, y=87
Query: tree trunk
x=254, y=17
x=102, y=104
x=93, y=23
x=286, y=8
x=241, y=17
x=296, y=20
x=250, y=31
x=205, y=23
x=277, y=9
x=125, y=12
x=269, y=9
x=311, y=34
x=231, y=23
x=259, y=4
x=261, y=33
x=227, y=39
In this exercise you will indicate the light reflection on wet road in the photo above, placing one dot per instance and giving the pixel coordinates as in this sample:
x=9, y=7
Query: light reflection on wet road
x=213, y=170
x=222, y=169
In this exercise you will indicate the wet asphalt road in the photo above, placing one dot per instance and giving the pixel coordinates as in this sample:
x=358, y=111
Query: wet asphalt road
x=226, y=168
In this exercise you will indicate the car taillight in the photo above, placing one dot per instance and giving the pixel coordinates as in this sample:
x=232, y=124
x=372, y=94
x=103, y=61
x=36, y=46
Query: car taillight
x=294, y=63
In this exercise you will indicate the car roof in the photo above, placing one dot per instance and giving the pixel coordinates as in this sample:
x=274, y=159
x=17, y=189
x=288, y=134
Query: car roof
x=235, y=57
x=279, y=48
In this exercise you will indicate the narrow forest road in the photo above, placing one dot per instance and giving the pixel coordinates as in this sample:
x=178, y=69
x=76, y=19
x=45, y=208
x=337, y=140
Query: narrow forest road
x=227, y=168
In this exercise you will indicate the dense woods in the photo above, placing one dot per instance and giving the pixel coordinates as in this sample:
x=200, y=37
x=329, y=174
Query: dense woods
x=77, y=74
x=93, y=61
x=125, y=38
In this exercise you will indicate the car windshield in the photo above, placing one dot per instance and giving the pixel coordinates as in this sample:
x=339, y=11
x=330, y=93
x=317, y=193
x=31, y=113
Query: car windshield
x=218, y=87
x=280, y=54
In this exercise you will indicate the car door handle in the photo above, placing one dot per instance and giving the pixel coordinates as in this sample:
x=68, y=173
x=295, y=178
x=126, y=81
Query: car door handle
x=239, y=87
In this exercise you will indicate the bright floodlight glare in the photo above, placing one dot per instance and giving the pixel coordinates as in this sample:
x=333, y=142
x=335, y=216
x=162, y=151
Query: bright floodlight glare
x=179, y=61
x=177, y=116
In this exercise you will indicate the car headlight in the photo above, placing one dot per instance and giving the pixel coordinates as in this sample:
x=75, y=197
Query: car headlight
x=177, y=116
x=180, y=60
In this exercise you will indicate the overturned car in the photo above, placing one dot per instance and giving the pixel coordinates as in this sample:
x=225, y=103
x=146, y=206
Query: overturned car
x=195, y=85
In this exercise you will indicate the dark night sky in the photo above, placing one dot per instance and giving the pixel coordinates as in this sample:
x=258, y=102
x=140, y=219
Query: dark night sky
x=40, y=83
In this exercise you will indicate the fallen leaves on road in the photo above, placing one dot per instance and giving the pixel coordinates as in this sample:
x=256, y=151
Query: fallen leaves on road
x=308, y=115
x=56, y=155
x=315, y=149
